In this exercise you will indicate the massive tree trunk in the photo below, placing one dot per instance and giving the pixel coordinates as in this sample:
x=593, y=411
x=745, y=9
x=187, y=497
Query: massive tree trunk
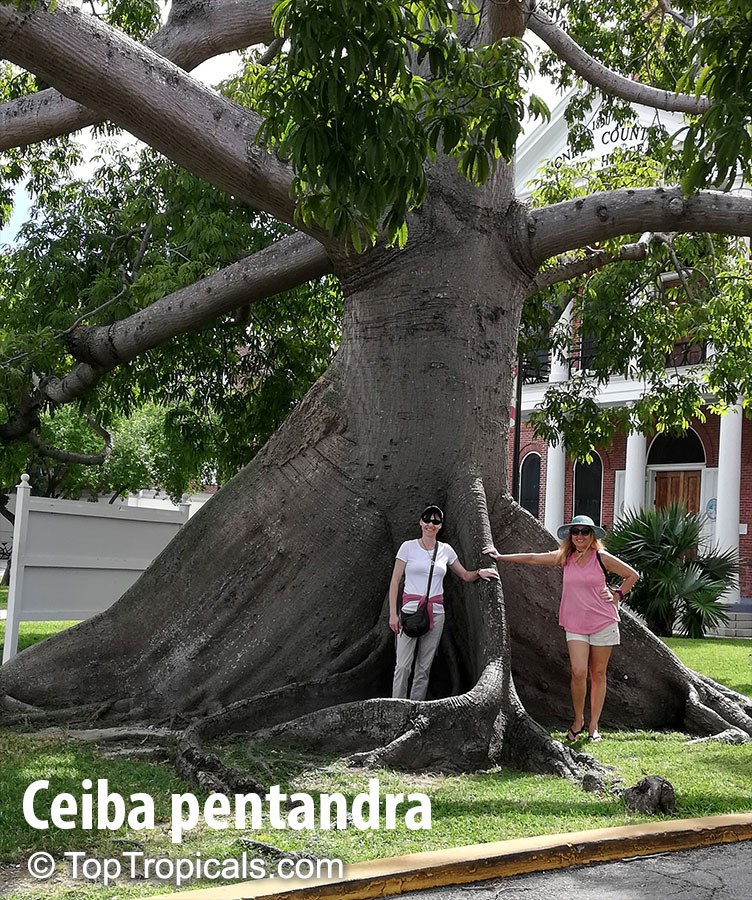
x=268, y=611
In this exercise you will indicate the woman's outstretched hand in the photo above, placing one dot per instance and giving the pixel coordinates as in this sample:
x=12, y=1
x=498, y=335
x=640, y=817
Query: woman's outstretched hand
x=490, y=550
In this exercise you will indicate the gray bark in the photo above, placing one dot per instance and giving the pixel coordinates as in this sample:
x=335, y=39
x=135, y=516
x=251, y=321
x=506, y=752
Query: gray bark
x=193, y=33
x=577, y=223
x=606, y=79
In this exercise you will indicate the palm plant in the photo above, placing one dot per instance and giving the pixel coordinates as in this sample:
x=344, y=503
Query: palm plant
x=682, y=582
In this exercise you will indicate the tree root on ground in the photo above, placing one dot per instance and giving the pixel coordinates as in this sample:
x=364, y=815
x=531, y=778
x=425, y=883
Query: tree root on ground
x=265, y=710
x=729, y=736
x=18, y=713
x=119, y=734
x=709, y=711
x=740, y=699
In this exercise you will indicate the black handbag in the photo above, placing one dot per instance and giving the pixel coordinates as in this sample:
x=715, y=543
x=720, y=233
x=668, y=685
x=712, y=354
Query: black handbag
x=416, y=624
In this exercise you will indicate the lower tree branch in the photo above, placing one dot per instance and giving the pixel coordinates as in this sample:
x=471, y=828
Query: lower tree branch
x=595, y=259
x=4, y=511
x=574, y=224
x=69, y=456
x=280, y=267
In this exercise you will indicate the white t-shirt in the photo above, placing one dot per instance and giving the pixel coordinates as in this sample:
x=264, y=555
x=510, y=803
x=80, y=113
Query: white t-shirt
x=417, y=563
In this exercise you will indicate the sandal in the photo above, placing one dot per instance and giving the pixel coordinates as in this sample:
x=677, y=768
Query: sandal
x=572, y=735
x=595, y=737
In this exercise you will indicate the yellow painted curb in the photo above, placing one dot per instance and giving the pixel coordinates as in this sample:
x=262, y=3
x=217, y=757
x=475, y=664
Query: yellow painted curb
x=459, y=865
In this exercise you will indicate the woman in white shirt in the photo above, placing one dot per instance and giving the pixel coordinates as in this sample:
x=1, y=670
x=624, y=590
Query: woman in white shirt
x=414, y=562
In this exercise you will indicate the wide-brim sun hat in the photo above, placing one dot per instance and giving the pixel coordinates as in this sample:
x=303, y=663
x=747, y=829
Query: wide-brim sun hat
x=563, y=531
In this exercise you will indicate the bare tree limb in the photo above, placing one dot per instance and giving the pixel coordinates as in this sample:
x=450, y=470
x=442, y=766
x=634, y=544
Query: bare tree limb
x=668, y=9
x=606, y=79
x=574, y=224
x=507, y=18
x=596, y=259
x=192, y=34
x=4, y=511
x=152, y=98
x=68, y=456
x=272, y=51
x=284, y=265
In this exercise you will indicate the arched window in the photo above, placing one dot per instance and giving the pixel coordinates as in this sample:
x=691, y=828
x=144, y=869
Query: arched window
x=588, y=488
x=530, y=484
x=666, y=449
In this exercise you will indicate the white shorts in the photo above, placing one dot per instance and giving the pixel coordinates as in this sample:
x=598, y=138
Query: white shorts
x=606, y=637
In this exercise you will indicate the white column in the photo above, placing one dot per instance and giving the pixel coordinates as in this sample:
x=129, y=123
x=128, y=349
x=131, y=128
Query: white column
x=634, y=476
x=555, y=471
x=729, y=485
x=15, y=591
x=556, y=457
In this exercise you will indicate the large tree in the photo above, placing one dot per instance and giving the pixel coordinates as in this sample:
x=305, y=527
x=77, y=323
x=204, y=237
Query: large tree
x=387, y=144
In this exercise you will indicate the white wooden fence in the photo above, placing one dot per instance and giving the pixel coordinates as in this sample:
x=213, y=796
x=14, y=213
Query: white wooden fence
x=72, y=560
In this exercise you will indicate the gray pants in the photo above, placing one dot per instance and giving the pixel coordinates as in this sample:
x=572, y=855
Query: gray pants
x=426, y=650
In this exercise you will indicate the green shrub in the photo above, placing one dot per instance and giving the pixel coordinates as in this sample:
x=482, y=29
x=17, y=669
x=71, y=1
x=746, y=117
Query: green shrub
x=682, y=581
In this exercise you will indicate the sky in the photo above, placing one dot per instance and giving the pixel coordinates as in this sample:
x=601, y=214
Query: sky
x=18, y=217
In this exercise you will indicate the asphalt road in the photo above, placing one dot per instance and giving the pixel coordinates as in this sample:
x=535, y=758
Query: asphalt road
x=722, y=872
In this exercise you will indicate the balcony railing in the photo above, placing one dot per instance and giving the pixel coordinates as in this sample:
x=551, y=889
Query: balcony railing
x=536, y=368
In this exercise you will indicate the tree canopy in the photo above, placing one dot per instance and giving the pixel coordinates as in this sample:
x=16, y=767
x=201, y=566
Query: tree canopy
x=358, y=102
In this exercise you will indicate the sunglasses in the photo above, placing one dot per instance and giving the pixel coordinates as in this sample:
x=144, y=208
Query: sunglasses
x=433, y=521
x=580, y=530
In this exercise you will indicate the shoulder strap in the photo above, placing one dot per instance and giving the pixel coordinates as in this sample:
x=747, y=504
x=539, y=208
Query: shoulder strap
x=430, y=571
x=606, y=573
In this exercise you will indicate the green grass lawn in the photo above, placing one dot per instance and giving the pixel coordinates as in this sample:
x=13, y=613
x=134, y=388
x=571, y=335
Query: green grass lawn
x=727, y=660
x=33, y=632
x=709, y=779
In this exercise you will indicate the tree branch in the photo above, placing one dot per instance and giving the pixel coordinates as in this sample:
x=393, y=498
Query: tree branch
x=507, y=18
x=152, y=98
x=68, y=456
x=606, y=79
x=280, y=267
x=189, y=37
x=666, y=8
x=574, y=224
x=4, y=511
x=272, y=51
x=596, y=259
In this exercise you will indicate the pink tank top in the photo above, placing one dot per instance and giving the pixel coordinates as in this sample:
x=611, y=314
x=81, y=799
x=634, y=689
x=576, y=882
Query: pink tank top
x=586, y=604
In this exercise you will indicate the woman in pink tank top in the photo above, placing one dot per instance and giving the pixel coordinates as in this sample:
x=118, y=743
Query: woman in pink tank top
x=588, y=612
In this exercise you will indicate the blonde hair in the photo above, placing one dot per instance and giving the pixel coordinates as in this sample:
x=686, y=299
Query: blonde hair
x=567, y=548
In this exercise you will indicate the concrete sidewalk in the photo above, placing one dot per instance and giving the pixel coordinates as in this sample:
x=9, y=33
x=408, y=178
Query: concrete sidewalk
x=480, y=862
